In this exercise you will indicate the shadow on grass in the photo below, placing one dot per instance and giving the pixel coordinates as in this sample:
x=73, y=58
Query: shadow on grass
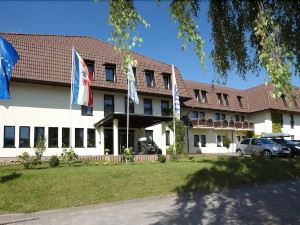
x=266, y=204
x=9, y=177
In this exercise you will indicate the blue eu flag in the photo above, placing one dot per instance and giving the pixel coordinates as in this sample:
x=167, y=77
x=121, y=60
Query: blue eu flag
x=8, y=58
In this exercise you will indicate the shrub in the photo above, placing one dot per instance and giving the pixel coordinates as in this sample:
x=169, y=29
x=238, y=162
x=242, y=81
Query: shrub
x=54, y=161
x=226, y=142
x=128, y=154
x=69, y=156
x=162, y=158
x=25, y=159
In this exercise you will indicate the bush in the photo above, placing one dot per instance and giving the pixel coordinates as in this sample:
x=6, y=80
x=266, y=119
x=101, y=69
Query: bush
x=226, y=142
x=69, y=156
x=162, y=158
x=128, y=154
x=25, y=159
x=54, y=161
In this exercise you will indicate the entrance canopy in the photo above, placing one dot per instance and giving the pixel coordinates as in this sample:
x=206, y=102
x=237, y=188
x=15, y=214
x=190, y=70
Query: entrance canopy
x=135, y=120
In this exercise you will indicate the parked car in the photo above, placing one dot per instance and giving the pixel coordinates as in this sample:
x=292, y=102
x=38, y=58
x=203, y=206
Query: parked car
x=261, y=146
x=294, y=146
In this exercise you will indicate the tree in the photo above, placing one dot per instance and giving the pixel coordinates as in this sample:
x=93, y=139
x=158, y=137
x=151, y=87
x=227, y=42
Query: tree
x=246, y=34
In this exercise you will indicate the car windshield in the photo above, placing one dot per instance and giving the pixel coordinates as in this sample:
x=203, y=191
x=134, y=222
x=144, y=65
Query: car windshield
x=267, y=142
x=290, y=142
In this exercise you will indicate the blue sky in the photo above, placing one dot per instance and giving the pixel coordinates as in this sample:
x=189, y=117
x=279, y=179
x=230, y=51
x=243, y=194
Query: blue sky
x=86, y=17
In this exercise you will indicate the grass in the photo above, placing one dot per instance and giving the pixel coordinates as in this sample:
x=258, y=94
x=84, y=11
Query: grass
x=27, y=190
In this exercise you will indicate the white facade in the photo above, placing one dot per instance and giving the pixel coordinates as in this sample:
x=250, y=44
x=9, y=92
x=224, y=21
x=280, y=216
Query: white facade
x=49, y=106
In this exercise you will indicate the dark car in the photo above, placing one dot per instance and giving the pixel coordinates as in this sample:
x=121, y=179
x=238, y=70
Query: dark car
x=294, y=146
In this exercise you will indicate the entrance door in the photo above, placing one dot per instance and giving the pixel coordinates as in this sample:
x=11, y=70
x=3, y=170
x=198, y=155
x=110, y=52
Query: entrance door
x=123, y=139
x=108, y=140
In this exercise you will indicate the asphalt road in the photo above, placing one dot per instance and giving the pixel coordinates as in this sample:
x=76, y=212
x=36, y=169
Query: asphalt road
x=277, y=203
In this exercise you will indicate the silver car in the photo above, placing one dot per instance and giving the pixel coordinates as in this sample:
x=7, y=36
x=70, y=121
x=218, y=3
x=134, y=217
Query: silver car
x=261, y=146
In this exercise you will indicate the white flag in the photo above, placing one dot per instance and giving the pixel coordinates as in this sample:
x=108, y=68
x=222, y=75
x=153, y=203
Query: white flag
x=176, y=102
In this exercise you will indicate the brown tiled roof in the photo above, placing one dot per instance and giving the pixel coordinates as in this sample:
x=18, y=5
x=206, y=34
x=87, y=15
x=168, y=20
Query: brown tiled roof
x=255, y=99
x=48, y=59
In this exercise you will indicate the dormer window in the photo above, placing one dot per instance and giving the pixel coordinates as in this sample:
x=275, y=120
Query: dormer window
x=167, y=80
x=225, y=96
x=197, y=96
x=110, y=72
x=220, y=99
x=203, y=96
x=283, y=97
x=294, y=98
x=90, y=65
x=149, y=78
x=239, y=98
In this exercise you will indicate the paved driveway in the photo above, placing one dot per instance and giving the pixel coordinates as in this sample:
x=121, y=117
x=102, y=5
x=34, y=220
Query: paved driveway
x=264, y=204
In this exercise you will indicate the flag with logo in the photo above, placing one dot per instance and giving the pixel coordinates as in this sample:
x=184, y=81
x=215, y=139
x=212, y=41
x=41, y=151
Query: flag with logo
x=81, y=85
x=176, y=102
x=132, y=93
x=8, y=58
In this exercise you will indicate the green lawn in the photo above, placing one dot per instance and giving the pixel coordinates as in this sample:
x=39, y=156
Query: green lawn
x=30, y=190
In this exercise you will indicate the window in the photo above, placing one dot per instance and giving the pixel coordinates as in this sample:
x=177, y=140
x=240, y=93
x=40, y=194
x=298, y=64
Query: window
x=223, y=116
x=52, y=137
x=131, y=105
x=39, y=134
x=242, y=118
x=243, y=137
x=149, y=78
x=245, y=141
x=294, y=98
x=195, y=115
x=225, y=96
x=167, y=79
x=167, y=137
x=197, y=96
x=203, y=140
x=79, y=137
x=9, y=137
x=237, y=118
x=90, y=65
x=91, y=138
x=86, y=110
x=24, y=137
x=108, y=104
x=219, y=141
x=165, y=110
x=147, y=106
x=238, y=139
x=292, y=121
x=110, y=71
x=196, y=141
x=239, y=98
x=203, y=96
x=292, y=137
x=217, y=116
x=149, y=136
x=65, y=139
x=134, y=74
x=281, y=119
x=284, y=100
x=220, y=99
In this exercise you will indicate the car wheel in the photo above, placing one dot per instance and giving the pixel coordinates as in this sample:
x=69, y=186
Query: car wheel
x=239, y=153
x=267, y=154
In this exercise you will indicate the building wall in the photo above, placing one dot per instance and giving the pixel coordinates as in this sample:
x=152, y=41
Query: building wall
x=49, y=106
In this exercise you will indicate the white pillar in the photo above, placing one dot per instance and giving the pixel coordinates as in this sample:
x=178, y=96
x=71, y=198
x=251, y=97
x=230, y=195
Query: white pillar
x=101, y=144
x=116, y=136
x=163, y=138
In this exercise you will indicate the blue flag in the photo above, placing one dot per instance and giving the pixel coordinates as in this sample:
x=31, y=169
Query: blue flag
x=8, y=58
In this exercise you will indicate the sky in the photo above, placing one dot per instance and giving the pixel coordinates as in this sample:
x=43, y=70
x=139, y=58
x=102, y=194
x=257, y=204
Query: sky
x=90, y=18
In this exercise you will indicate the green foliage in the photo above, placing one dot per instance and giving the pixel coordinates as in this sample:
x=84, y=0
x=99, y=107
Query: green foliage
x=162, y=158
x=180, y=134
x=226, y=142
x=276, y=123
x=25, y=159
x=249, y=134
x=127, y=154
x=54, y=161
x=69, y=156
x=107, y=151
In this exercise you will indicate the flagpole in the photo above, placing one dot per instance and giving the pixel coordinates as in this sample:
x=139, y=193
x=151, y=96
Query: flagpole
x=71, y=99
x=127, y=135
x=174, y=111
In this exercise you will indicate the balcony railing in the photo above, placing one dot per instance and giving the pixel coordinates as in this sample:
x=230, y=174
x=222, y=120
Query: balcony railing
x=209, y=123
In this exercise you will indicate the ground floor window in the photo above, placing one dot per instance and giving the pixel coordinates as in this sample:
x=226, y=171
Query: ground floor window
x=219, y=141
x=53, y=137
x=65, y=139
x=196, y=141
x=91, y=138
x=238, y=139
x=149, y=136
x=24, y=137
x=167, y=137
x=9, y=136
x=79, y=137
x=203, y=140
x=39, y=134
